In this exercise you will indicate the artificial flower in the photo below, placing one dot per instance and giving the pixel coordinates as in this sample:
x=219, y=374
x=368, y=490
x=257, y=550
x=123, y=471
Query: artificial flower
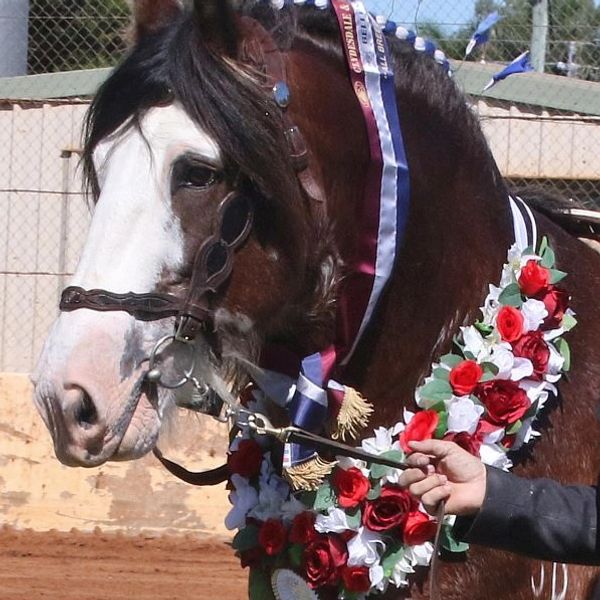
x=509, y=323
x=389, y=510
x=420, y=427
x=351, y=486
x=323, y=559
x=272, y=536
x=464, y=377
x=533, y=278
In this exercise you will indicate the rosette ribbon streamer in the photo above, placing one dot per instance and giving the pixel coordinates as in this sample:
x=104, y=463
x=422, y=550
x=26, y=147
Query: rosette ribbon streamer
x=383, y=213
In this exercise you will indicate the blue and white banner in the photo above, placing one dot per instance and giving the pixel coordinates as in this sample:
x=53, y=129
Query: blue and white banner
x=482, y=33
x=521, y=64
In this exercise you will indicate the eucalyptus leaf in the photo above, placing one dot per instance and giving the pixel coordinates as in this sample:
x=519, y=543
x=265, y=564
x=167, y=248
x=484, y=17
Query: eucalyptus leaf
x=529, y=250
x=568, y=322
x=378, y=470
x=514, y=427
x=374, y=492
x=390, y=559
x=511, y=296
x=556, y=275
x=487, y=376
x=436, y=390
x=449, y=542
x=548, y=258
x=295, y=553
x=442, y=426
x=543, y=246
x=441, y=373
x=259, y=586
x=246, y=539
x=489, y=367
x=325, y=497
x=484, y=328
x=565, y=351
x=451, y=360
x=354, y=518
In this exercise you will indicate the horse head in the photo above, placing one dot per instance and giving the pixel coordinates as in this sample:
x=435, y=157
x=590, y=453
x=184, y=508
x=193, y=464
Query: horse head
x=197, y=204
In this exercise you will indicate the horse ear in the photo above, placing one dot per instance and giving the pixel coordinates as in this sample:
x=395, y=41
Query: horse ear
x=218, y=26
x=152, y=15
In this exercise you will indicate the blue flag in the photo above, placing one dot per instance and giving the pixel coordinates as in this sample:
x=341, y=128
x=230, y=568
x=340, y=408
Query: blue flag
x=521, y=64
x=482, y=33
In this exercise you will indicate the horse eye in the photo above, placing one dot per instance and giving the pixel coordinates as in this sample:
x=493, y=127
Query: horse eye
x=198, y=176
x=193, y=175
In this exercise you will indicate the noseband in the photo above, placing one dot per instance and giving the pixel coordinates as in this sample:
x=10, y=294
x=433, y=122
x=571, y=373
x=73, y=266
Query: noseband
x=212, y=267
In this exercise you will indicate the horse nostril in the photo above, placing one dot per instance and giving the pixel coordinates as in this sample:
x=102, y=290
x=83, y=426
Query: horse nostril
x=86, y=414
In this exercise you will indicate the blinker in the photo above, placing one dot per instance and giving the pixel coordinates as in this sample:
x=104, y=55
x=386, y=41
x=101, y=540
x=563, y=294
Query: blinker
x=281, y=94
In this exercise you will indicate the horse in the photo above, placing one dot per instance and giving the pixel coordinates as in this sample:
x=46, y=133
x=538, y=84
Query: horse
x=181, y=129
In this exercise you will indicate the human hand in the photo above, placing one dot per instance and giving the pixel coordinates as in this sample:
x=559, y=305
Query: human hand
x=459, y=478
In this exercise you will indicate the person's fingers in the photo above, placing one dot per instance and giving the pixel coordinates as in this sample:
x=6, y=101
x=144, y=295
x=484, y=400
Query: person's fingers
x=422, y=486
x=431, y=499
x=418, y=459
x=437, y=448
x=411, y=476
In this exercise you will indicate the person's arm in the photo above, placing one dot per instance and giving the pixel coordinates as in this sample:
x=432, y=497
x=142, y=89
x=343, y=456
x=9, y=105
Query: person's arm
x=539, y=518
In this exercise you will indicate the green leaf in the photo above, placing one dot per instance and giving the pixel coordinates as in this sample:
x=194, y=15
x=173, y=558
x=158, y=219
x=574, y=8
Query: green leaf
x=442, y=426
x=511, y=296
x=484, y=328
x=374, y=492
x=325, y=497
x=259, y=586
x=565, y=351
x=556, y=275
x=487, y=376
x=451, y=360
x=436, y=390
x=308, y=498
x=390, y=559
x=441, y=373
x=528, y=250
x=449, y=542
x=548, y=258
x=295, y=553
x=246, y=539
x=489, y=367
x=514, y=427
x=354, y=518
x=531, y=411
x=568, y=322
x=378, y=470
x=542, y=248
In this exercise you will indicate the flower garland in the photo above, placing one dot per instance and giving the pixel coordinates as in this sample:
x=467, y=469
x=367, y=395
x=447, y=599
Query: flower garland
x=360, y=532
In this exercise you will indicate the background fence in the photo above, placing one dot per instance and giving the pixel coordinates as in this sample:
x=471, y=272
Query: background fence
x=543, y=129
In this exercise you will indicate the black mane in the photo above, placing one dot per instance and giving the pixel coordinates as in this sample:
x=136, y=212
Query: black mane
x=177, y=64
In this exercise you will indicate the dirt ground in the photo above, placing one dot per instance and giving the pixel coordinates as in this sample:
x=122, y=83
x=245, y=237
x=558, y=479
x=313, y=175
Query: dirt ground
x=101, y=566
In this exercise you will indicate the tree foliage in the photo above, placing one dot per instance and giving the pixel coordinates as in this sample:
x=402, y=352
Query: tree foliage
x=75, y=34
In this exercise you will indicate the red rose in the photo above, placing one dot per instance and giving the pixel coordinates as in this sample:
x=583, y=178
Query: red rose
x=389, y=510
x=509, y=323
x=303, y=529
x=504, y=400
x=419, y=528
x=464, y=377
x=323, y=559
x=356, y=579
x=252, y=557
x=533, y=278
x=470, y=443
x=556, y=301
x=351, y=486
x=421, y=427
x=272, y=536
x=246, y=460
x=533, y=347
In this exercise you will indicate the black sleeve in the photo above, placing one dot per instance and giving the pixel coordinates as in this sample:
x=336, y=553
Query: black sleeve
x=539, y=518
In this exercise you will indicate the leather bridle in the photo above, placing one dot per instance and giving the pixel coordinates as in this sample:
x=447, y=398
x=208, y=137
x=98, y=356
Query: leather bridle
x=213, y=263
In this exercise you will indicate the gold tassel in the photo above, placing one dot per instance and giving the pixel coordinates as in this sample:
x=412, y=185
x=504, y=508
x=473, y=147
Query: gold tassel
x=309, y=475
x=353, y=416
